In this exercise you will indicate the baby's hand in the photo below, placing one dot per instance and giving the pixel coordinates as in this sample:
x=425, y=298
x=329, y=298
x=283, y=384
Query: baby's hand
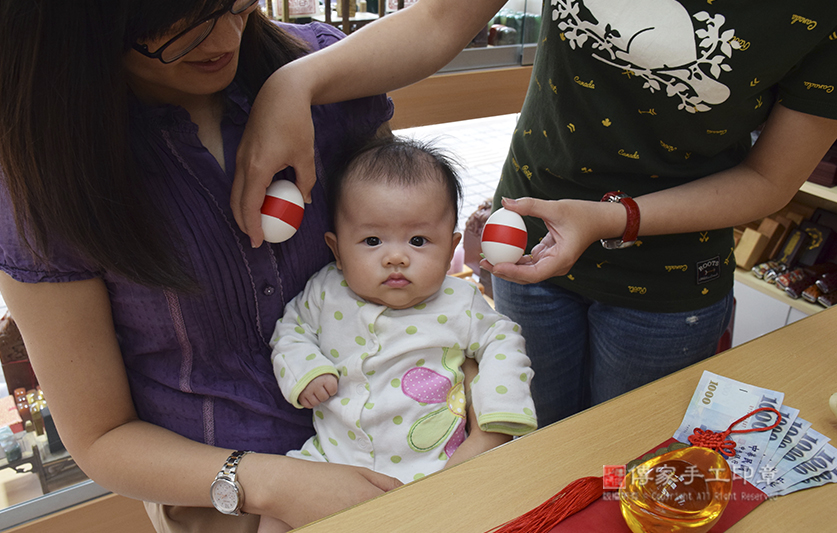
x=320, y=389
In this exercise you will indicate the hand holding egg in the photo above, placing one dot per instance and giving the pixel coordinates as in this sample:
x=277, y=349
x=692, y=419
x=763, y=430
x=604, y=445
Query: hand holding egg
x=282, y=211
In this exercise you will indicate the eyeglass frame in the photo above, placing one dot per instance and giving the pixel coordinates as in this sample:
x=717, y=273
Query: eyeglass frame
x=143, y=48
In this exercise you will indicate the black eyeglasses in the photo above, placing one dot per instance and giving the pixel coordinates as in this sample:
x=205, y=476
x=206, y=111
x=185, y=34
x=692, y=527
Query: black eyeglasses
x=187, y=40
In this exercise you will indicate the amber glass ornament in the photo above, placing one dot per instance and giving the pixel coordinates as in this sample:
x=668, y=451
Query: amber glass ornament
x=684, y=490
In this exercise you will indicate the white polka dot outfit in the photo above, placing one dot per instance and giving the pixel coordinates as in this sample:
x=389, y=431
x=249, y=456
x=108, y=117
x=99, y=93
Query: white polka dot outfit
x=400, y=405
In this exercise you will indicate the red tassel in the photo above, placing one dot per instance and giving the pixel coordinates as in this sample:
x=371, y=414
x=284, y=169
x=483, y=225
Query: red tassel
x=572, y=499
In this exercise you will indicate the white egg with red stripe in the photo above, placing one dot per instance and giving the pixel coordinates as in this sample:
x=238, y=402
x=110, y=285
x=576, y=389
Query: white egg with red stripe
x=281, y=211
x=504, y=237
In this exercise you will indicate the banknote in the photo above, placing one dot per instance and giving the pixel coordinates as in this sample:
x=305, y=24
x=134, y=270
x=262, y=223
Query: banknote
x=824, y=461
x=719, y=401
x=829, y=476
x=808, y=446
x=794, y=434
x=789, y=415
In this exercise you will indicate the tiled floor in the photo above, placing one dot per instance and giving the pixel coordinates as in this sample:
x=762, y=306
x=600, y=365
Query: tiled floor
x=480, y=145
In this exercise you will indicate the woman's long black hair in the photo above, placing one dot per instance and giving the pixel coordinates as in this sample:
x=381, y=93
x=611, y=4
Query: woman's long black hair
x=64, y=151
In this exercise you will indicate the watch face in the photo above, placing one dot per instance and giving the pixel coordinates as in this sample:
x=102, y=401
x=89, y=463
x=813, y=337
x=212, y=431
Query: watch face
x=224, y=496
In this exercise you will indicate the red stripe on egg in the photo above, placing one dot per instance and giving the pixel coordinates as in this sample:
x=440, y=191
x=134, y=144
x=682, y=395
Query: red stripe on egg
x=504, y=235
x=284, y=210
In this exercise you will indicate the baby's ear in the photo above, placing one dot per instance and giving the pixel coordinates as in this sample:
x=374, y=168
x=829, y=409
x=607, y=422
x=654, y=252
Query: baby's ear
x=454, y=243
x=331, y=242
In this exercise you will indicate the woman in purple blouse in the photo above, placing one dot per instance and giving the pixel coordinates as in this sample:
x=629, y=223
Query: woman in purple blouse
x=145, y=311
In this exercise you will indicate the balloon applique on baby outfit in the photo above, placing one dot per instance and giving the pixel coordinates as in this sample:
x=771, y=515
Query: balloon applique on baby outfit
x=428, y=386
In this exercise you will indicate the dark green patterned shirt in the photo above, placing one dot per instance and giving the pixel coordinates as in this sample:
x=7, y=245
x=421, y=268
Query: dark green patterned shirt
x=643, y=95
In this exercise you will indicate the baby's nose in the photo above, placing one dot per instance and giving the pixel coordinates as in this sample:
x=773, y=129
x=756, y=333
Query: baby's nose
x=397, y=257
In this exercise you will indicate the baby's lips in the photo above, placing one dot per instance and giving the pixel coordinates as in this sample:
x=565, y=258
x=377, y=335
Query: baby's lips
x=397, y=280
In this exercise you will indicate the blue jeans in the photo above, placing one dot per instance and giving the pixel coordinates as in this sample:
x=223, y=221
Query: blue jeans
x=584, y=352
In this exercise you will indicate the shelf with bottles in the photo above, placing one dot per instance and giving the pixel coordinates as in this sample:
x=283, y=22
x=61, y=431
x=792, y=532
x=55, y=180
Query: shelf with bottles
x=747, y=278
x=801, y=238
x=793, y=263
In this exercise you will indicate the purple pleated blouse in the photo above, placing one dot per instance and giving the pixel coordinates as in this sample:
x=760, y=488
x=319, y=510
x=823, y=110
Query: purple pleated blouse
x=199, y=364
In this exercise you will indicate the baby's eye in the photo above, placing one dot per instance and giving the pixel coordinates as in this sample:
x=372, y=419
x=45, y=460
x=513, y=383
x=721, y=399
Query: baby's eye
x=373, y=241
x=418, y=241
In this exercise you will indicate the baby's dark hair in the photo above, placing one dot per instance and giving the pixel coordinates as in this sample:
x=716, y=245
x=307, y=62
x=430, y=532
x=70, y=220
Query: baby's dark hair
x=400, y=161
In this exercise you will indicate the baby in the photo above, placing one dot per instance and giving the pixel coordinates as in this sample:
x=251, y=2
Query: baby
x=376, y=342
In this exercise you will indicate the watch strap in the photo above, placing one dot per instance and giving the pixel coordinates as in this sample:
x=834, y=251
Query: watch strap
x=231, y=465
x=631, y=233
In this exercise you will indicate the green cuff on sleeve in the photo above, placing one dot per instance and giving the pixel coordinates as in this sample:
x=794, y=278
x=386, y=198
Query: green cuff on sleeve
x=308, y=378
x=508, y=423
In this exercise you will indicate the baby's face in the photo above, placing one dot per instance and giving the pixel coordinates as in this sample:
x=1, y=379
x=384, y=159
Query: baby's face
x=394, y=244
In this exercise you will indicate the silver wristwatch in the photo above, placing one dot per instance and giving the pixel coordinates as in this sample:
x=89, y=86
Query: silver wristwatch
x=225, y=492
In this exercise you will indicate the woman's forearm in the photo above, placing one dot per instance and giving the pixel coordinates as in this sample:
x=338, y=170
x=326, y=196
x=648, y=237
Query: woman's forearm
x=789, y=148
x=787, y=151
x=397, y=50
x=149, y=463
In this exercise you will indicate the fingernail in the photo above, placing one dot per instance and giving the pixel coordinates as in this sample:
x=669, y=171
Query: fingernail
x=482, y=256
x=508, y=201
x=253, y=243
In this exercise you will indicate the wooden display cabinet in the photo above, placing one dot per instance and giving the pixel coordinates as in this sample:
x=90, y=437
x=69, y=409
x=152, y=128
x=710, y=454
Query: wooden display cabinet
x=757, y=315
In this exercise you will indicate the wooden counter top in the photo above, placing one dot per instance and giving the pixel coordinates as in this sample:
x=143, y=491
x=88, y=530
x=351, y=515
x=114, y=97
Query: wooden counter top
x=799, y=360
